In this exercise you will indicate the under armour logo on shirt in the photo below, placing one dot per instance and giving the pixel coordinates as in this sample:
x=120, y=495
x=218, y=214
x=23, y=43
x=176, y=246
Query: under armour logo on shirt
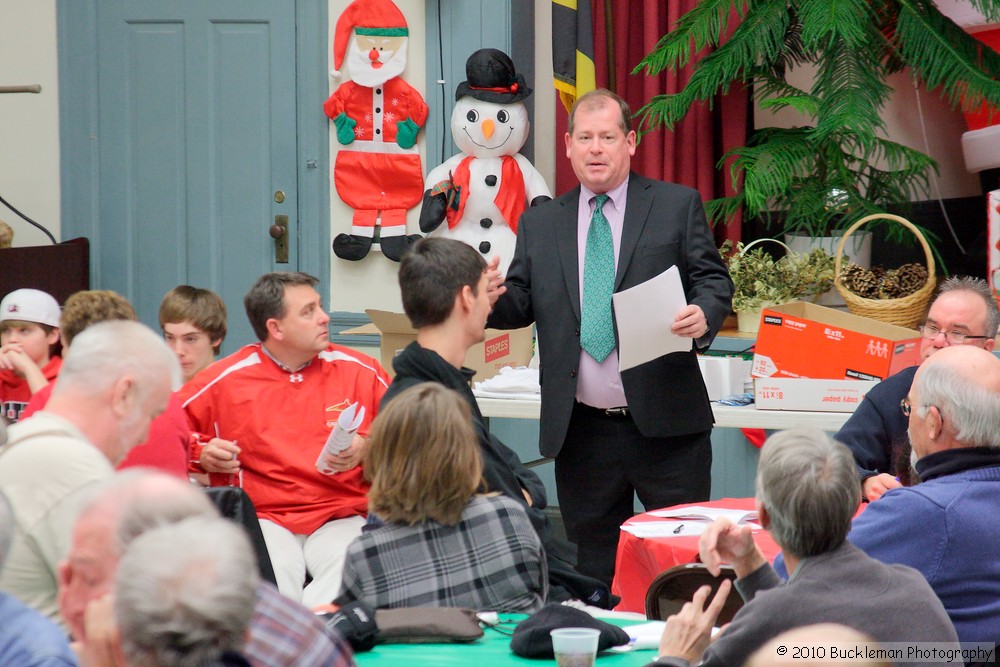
x=295, y=377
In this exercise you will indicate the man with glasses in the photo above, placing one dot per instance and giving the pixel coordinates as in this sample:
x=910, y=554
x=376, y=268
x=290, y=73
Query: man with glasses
x=963, y=313
x=945, y=526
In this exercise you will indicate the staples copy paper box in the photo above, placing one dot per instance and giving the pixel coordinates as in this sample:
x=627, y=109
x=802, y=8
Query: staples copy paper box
x=993, y=249
x=501, y=348
x=810, y=394
x=801, y=339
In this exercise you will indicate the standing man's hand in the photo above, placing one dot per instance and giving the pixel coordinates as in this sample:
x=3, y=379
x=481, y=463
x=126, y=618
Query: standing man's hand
x=494, y=284
x=690, y=322
x=689, y=631
x=725, y=542
x=875, y=487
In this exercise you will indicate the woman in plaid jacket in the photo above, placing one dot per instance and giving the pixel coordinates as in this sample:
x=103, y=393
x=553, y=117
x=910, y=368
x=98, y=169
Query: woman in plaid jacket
x=442, y=544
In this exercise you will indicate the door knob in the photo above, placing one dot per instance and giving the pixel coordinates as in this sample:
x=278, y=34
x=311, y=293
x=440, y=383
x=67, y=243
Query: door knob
x=279, y=232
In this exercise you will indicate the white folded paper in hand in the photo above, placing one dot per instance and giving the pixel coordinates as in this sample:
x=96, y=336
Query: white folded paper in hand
x=341, y=436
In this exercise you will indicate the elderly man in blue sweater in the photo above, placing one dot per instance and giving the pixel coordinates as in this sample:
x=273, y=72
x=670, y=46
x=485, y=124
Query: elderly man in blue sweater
x=963, y=313
x=946, y=527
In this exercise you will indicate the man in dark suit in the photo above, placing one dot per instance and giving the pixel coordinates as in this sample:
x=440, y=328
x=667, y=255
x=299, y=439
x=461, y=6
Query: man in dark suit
x=646, y=429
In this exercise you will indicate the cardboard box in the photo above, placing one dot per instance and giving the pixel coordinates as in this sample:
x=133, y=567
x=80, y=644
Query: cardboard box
x=810, y=394
x=501, y=348
x=993, y=249
x=801, y=339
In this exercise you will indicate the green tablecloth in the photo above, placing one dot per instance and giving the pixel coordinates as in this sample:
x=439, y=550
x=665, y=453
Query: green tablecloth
x=492, y=650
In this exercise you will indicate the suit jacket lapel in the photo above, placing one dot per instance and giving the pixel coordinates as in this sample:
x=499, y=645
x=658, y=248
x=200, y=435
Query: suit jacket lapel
x=568, y=245
x=636, y=214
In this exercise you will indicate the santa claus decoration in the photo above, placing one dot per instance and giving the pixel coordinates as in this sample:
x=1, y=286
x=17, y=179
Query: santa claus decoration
x=377, y=115
x=478, y=195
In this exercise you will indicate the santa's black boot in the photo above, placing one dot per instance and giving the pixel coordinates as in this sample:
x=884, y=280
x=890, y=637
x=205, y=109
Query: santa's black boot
x=393, y=247
x=351, y=246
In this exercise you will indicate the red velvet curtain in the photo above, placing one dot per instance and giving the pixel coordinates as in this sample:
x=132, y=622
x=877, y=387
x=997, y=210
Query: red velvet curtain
x=624, y=32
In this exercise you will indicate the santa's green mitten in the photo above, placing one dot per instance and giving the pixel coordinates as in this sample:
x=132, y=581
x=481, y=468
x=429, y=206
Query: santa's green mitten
x=406, y=133
x=345, y=128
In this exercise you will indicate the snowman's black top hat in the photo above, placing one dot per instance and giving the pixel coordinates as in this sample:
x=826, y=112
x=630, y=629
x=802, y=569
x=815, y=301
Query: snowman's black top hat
x=491, y=78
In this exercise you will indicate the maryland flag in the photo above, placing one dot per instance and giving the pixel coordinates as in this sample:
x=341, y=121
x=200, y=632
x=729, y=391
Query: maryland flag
x=572, y=49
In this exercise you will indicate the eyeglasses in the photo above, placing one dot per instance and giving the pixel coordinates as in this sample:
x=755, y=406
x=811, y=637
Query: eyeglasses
x=904, y=405
x=930, y=332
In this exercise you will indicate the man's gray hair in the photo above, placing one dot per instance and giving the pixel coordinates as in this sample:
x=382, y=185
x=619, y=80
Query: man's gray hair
x=142, y=499
x=969, y=409
x=106, y=351
x=184, y=593
x=980, y=288
x=6, y=528
x=808, y=483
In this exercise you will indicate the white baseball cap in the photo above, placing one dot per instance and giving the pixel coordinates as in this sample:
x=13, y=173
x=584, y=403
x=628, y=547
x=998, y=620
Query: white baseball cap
x=30, y=305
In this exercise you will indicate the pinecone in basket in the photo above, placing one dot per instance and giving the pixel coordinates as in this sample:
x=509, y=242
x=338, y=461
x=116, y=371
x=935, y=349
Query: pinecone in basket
x=888, y=285
x=911, y=278
x=879, y=283
x=859, y=280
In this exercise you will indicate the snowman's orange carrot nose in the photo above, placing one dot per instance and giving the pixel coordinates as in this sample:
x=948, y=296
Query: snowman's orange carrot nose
x=488, y=128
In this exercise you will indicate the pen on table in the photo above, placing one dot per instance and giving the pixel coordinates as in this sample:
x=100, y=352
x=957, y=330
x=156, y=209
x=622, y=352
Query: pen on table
x=679, y=528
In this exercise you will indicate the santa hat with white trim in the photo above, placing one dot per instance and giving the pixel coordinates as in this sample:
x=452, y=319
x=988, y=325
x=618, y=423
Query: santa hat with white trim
x=366, y=17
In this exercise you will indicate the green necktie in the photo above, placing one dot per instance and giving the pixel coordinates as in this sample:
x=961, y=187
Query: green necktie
x=597, y=332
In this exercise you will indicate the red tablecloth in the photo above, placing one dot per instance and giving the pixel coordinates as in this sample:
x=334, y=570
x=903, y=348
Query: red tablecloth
x=639, y=560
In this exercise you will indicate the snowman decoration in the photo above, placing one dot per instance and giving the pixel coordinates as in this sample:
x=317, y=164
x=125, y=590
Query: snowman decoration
x=478, y=195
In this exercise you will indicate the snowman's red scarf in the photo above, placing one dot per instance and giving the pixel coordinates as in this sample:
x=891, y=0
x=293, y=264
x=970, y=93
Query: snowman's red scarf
x=510, y=195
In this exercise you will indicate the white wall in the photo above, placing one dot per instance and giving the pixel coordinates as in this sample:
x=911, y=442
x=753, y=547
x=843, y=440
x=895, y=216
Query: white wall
x=29, y=123
x=544, y=95
x=904, y=117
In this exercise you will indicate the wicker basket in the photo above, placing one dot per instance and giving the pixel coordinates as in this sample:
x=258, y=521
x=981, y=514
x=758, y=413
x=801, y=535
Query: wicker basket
x=907, y=311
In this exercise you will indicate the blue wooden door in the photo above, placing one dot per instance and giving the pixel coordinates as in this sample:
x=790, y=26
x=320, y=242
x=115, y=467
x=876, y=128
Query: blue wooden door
x=197, y=129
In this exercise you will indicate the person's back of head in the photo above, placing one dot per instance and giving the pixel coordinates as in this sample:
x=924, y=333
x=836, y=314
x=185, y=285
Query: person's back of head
x=963, y=384
x=107, y=351
x=6, y=235
x=431, y=273
x=808, y=485
x=125, y=506
x=266, y=298
x=185, y=593
x=423, y=457
x=202, y=308
x=116, y=378
x=87, y=307
x=142, y=499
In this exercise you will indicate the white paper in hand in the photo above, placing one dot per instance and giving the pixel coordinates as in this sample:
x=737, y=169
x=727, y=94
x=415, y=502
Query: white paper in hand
x=644, y=314
x=341, y=436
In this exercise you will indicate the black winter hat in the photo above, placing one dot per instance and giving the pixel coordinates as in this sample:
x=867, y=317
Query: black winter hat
x=531, y=638
x=491, y=78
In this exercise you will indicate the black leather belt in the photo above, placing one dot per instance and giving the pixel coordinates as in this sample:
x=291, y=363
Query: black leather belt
x=612, y=413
